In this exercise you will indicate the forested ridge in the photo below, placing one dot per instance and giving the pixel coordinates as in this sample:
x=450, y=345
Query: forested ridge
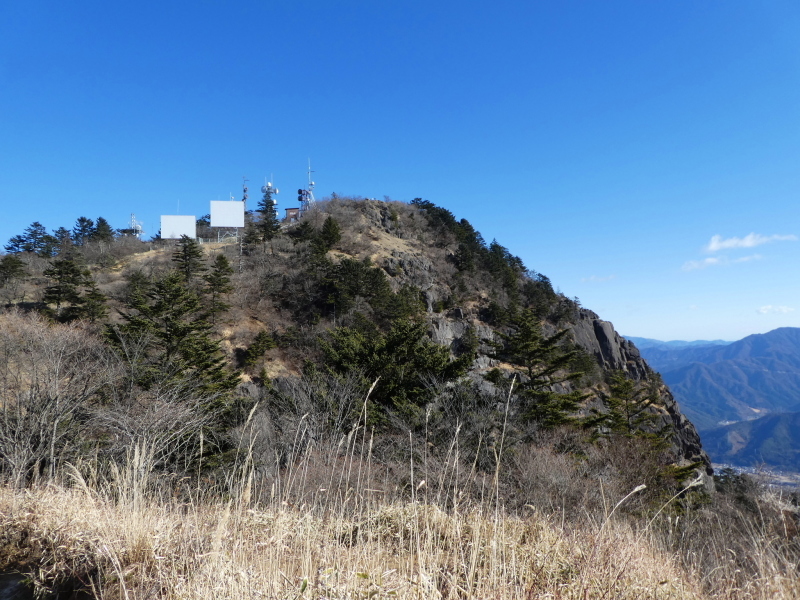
x=388, y=330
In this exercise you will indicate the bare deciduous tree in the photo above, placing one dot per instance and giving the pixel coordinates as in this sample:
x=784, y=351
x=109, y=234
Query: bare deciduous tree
x=49, y=374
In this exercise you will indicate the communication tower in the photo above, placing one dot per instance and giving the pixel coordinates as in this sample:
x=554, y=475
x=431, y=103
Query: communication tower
x=244, y=191
x=272, y=190
x=306, y=196
x=136, y=227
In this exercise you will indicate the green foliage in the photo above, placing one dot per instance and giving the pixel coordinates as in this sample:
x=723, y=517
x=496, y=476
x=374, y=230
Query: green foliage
x=329, y=235
x=189, y=258
x=82, y=231
x=544, y=363
x=102, y=232
x=263, y=341
x=218, y=284
x=268, y=225
x=168, y=318
x=628, y=408
x=73, y=292
x=302, y=232
x=343, y=283
x=34, y=239
x=64, y=237
x=402, y=360
x=11, y=267
x=472, y=253
x=495, y=314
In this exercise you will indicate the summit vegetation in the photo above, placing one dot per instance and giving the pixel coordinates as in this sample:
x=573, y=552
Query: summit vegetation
x=371, y=402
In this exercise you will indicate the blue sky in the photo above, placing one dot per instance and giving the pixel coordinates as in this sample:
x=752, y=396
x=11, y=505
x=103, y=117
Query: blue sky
x=605, y=143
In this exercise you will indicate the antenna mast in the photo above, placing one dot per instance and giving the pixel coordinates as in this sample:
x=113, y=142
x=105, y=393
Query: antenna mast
x=306, y=196
x=270, y=189
x=244, y=191
x=136, y=227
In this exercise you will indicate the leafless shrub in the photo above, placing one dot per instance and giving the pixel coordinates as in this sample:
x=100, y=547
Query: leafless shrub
x=50, y=373
x=168, y=419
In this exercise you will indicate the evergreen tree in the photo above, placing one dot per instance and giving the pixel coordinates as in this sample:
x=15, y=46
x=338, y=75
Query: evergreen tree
x=64, y=237
x=170, y=316
x=11, y=267
x=189, y=257
x=268, y=224
x=218, y=284
x=67, y=277
x=93, y=305
x=543, y=363
x=628, y=408
x=403, y=359
x=73, y=291
x=262, y=342
x=82, y=231
x=102, y=232
x=34, y=239
x=331, y=233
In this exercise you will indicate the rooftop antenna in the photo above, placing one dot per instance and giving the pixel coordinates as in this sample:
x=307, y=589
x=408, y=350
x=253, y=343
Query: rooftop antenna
x=306, y=196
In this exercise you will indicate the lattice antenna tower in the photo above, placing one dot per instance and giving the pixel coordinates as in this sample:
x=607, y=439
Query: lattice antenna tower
x=136, y=227
x=306, y=196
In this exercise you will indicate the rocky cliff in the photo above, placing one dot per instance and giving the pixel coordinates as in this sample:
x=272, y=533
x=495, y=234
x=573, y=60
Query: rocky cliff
x=612, y=353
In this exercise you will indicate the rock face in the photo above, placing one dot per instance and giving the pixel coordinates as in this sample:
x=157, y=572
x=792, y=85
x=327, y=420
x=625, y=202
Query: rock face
x=595, y=336
x=613, y=352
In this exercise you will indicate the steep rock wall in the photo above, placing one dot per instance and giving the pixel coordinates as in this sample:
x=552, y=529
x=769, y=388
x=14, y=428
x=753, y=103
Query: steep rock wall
x=612, y=352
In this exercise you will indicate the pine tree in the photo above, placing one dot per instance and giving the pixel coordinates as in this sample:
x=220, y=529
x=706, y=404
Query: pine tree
x=102, y=232
x=189, y=257
x=11, y=267
x=93, y=304
x=171, y=317
x=218, y=284
x=34, y=239
x=268, y=224
x=262, y=342
x=67, y=276
x=543, y=363
x=64, y=237
x=330, y=234
x=82, y=231
x=628, y=408
x=403, y=359
x=73, y=292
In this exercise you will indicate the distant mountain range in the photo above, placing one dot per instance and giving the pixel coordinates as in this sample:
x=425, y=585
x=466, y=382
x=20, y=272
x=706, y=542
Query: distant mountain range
x=773, y=440
x=642, y=343
x=742, y=396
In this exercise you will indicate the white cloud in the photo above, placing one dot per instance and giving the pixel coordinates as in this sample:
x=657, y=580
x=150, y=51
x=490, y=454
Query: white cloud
x=749, y=241
x=713, y=261
x=771, y=310
x=692, y=265
x=748, y=258
x=596, y=279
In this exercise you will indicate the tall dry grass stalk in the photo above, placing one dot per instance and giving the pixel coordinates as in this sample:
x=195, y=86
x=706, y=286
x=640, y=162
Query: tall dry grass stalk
x=400, y=550
x=324, y=526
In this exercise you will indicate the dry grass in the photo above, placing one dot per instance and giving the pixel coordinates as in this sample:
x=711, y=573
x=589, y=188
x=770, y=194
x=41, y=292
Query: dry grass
x=134, y=534
x=399, y=550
